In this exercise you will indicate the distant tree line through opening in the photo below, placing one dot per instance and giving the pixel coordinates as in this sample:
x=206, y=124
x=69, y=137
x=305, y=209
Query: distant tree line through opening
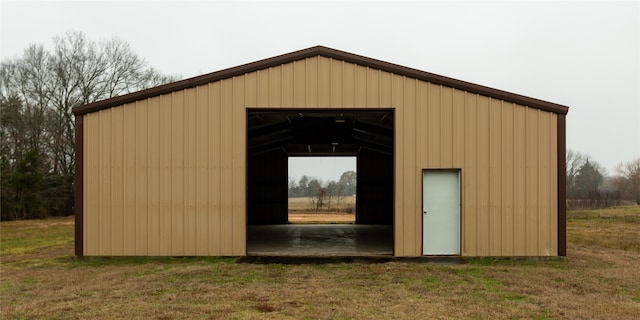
x=323, y=196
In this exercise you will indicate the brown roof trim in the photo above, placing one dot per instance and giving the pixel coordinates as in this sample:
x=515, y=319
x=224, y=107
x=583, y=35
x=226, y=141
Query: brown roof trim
x=329, y=53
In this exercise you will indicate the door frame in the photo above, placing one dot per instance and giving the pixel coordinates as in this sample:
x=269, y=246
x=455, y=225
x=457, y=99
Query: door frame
x=460, y=209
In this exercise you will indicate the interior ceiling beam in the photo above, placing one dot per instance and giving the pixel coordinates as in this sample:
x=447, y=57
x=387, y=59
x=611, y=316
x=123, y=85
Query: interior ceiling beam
x=319, y=132
x=278, y=141
x=388, y=152
x=257, y=151
x=268, y=127
x=373, y=128
x=378, y=140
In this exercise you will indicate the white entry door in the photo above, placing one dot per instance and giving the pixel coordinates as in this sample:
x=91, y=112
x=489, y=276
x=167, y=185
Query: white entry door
x=441, y=212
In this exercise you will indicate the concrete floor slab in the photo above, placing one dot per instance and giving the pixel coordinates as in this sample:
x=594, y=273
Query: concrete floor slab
x=320, y=240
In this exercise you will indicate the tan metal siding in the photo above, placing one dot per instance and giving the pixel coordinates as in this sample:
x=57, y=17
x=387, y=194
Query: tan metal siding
x=226, y=192
x=91, y=206
x=167, y=175
x=202, y=171
x=165, y=182
x=495, y=178
x=153, y=182
x=519, y=187
x=177, y=172
x=507, y=178
x=404, y=241
x=239, y=138
x=215, y=177
x=106, y=205
x=117, y=180
x=469, y=219
x=129, y=189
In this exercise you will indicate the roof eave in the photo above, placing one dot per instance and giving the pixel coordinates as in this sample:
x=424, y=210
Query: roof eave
x=329, y=53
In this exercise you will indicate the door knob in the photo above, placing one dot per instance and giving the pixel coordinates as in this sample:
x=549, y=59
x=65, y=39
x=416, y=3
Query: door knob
x=424, y=212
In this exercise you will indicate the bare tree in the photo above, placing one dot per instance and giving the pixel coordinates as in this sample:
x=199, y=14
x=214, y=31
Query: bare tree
x=628, y=179
x=40, y=88
x=330, y=192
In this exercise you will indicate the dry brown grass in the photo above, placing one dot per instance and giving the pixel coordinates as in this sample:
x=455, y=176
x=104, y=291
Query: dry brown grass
x=320, y=217
x=593, y=281
x=304, y=204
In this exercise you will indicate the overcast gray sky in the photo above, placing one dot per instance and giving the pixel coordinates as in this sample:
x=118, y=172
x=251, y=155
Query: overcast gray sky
x=585, y=55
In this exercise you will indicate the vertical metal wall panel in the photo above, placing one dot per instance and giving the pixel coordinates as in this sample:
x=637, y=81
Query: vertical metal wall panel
x=299, y=83
x=337, y=84
x=190, y=175
x=422, y=129
x=458, y=127
x=165, y=183
x=483, y=175
x=277, y=76
x=202, y=144
x=117, y=180
x=519, y=180
x=360, y=87
x=402, y=241
x=543, y=180
x=324, y=82
x=507, y=179
x=286, y=84
x=311, y=82
x=446, y=127
x=495, y=177
x=262, y=88
x=373, y=88
x=226, y=168
x=553, y=190
x=531, y=186
x=348, y=85
x=106, y=205
x=167, y=175
x=239, y=161
x=153, y=174
x=412, y=174
x=129, y=187
x=421, y=154
x=91, y=203
x=385, y=90
x=215, y=178
x=470, y=178
x=433, y=127
x=142, y=182
x=177, y=173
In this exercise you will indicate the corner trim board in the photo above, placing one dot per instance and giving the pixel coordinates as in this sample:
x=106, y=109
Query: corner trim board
x=79, y=187
x=562, y=185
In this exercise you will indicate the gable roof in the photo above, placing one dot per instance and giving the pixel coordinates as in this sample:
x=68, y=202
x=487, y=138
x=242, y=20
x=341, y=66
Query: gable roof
x=329, y=53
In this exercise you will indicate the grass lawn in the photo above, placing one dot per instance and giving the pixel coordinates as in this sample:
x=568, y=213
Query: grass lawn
x=600, y=278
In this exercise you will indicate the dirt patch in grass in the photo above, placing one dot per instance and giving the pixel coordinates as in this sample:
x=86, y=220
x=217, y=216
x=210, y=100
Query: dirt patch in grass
x=593, y=281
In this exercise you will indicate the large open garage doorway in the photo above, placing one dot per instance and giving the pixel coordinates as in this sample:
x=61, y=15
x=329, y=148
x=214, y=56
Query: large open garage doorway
x=275, y=135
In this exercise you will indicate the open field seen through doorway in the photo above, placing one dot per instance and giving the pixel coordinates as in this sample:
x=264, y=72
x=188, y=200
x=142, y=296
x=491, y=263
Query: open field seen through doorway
x=302, y=210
